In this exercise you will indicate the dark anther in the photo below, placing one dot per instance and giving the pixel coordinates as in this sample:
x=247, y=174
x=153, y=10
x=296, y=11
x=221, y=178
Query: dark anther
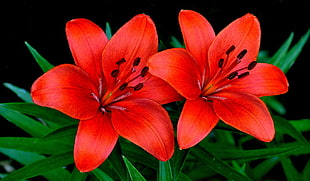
x=242, y=53
x=114, y=73
x=230, y=49
x=243, y=75
x=123, y=86
x=121, y=61
x=252, y=65
x=136, y=62
x=232, y=75
x=220, y=63
x=138, y=87
x=144, y=71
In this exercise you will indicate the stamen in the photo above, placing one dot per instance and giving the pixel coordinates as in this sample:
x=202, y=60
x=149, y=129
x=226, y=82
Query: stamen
x=144, y=71
x=232, y=75
x=252, y=65
x=220, y=63
x=137, y=61
x=230, y=49
x=121, y=61
x=243, y=75
x=138, y=87
x=123, y=86
x=115, y=73
x=242, y=54
x=123, y=96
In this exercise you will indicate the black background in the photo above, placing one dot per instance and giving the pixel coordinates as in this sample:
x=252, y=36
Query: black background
x=42, y=24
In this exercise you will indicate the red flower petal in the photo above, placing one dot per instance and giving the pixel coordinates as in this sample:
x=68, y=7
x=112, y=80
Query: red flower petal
x=243, y=33
x=137, y=38
x=86, y=41
x=179, y=69
x=264, y=80
x=68, y=89
x=195, y=123
x=246, y=113
x=95, y=140
x=145, y=123
x=198, y=35
x=158, y=90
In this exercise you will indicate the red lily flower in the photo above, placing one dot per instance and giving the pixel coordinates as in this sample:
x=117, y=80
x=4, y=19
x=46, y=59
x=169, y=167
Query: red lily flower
x=110, y=91
x=219, y=78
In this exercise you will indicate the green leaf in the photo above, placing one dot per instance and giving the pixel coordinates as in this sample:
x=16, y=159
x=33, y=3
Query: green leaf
x=248, y=155
x=116, y=161
x=66, y=134
x=40, y=167
x=108, y=30
x=134, y=174
x=76, y=175
x=176, y=43
x=164, y=171
x=217, y=164
x=36, y=145
x=178, y=162
x=42, y=62
x=21, y=93
x=301, y=125
x=285, y=57
x=264, y=167
x=45, y=113
x=290, y=171
x=283, y=126
x=137, y=154
x=294, y=52
x=29, y=125
x=306, y=171
x=101, y=175
x=277, y=58
x=58, y=174
x=274, y=104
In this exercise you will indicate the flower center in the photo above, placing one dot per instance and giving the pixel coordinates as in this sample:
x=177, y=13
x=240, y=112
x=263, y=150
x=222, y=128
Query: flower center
x=226, y=72
x=127, y=81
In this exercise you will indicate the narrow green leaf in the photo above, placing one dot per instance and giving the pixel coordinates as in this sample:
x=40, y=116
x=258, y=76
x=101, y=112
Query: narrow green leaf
x=248, y=155
x=277, y=58
x=35, y=145
x=45, y=113
x=294, y=52
x=164, y=171
x=108, y=30
x=274, y=104
x=25, y=158
x=66, y=134
x=301, y=125
x=264, y=167
x=42, y=62
x=21, y=93
x=306, y=171
x=217, y=164
x=290, y=171
x=76, y=175
x=40, y=167
x=101, y=175
x=29, y=125
x=176, y=43
x=178, y=162
x=137, y=154
x=116, y=161
x=134, y=174
x=283, y=126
